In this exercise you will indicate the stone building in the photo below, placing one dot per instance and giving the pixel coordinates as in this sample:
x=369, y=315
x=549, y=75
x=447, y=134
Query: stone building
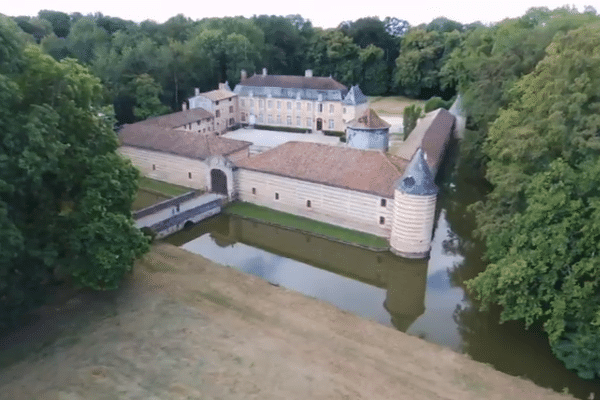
x=222, y=103
x=179, y=155
x=368, y=131
x=304, y=102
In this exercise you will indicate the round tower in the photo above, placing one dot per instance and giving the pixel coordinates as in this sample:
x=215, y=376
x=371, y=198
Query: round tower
x=368, y=132
x=415, y=198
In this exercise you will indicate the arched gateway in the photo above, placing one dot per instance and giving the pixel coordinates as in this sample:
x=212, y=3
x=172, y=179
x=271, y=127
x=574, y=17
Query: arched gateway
x=218, y=181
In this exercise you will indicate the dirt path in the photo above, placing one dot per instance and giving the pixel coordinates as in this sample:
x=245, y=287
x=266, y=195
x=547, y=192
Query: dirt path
x=185, y=328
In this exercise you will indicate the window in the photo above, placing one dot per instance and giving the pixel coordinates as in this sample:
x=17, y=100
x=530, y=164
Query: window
x=231, y=98
x=243, y=117
x=331, y=124
x=189, y=175
x=270, y=103
x=289, y=105
x=308, y=122
x=344, y=110
x=383, y=202
x=253, y=190
x=243, y=103
x=208, y=128
x=230, y=109
x=260, y=118
x=218, y=113
x=279, y=119
x=198, y=122
x=381, y=220
x=216, y=103
x=308, y=106
x=320, y=107
x=153, y=167
x=308, y=203
x=331, y=109
x=190, y=126
x=289, y=120
x=261, y=103
x=231, y=121
x=270, y=119
x=278, y=105
x=298, y=106
x=276, y=196
x=298, y=121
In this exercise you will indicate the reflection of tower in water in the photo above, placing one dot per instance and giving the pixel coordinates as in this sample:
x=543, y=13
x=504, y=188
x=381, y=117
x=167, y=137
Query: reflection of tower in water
x=405, y=297
x=404, y=279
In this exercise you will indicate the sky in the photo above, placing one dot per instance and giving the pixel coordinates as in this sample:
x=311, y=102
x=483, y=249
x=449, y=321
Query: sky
x=326, y=14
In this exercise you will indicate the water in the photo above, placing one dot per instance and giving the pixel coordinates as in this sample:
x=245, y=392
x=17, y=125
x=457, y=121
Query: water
x=425, y=298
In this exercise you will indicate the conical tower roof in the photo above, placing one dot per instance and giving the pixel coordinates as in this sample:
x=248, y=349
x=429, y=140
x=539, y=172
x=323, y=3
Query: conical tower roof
x=417, y=178
x=368, y=120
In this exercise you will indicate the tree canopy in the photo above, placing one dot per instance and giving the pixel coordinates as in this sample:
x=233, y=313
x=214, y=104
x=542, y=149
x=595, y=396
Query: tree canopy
x=65, y=194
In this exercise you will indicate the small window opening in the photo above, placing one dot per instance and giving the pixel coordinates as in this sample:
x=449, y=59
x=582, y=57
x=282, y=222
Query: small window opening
x=153, y=167
x=253, y=190
x=381, y=220
x=276, y=196
x=308, y=203
x=189, y=175
x=383, y=202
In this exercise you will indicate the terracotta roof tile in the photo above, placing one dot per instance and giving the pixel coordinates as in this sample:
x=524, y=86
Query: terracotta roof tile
x=368, y=120
x=218, y=94
x=182, y=143
x=178, y=119
x=362, y=170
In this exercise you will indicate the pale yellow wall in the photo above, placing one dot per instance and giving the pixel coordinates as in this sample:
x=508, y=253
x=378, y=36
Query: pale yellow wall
x=206, y=125
x=223, y=121
x=167, y=167
x=308, y=109
x=347, y=208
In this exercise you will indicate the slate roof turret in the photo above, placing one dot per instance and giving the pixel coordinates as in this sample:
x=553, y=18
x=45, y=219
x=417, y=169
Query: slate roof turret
x=417, y=178
x=355, y=97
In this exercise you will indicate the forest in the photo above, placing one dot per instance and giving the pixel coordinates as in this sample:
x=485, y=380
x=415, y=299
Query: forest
x=530, y=88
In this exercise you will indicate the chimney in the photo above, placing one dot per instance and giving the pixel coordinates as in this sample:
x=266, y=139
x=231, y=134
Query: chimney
x=308, y=73
x=196, y=91
x=264, y=72
x=221, y=86
x=243, y=75
x=183, y=106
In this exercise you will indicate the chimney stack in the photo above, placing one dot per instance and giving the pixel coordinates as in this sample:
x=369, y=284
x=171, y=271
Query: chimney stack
x=308, y=73
x=264, y=72
x=183, y=106
x=196, y=91
x=243, y=75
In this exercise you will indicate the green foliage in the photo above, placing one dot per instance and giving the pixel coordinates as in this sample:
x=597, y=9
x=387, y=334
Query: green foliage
x=411, y=115
x=147, y=94
x=542, y=219
x=65, y=194
x=437, y=102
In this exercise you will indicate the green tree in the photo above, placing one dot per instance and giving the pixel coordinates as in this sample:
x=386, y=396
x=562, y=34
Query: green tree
x=60, y=21
x=542, y=219
x=65, y=194
x=411, y=115
x=147, y=95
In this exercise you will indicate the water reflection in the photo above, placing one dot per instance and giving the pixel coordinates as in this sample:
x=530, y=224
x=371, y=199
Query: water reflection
x=375, y=285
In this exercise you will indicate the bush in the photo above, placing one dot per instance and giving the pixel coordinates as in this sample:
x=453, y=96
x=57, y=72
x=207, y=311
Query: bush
x=281, y=128
x=411, y=114
x=437, y=102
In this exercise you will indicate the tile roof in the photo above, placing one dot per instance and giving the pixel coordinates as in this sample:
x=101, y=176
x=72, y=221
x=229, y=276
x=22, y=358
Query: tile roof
x=368, y=120
x=182, y=143
x=218, y=94
x=177, y=119
x=431, y=134
x=361, y=170
x=294, y=82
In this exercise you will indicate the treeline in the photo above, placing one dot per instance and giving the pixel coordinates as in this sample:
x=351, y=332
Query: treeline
x=146, y=65
x=531, y=89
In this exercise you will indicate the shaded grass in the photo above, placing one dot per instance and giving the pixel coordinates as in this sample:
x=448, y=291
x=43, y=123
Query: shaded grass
x=305, y=224
x=392, y=105
x=168, y=189
x=145, y=198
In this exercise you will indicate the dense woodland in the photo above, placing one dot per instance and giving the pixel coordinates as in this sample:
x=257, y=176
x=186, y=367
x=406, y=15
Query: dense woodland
x=530, y=87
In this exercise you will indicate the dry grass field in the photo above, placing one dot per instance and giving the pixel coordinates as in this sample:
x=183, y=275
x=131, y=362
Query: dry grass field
x=392, y=105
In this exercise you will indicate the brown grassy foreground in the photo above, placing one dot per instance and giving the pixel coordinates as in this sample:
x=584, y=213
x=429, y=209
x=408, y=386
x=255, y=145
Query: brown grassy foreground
x=183, y=327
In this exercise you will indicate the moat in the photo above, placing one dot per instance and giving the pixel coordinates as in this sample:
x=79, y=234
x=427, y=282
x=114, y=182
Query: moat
x=425, y=298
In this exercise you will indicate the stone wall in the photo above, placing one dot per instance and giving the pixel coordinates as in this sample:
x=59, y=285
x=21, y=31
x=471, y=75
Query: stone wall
x=166, y=167
x=413, y=224
x=350, y=209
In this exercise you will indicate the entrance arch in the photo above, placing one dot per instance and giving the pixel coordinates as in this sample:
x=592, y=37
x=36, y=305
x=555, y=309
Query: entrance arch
x=319, y=124
x=218, y=181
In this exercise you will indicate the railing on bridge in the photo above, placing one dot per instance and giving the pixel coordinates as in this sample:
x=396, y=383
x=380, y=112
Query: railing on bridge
x=185, y=216
x=164, y=204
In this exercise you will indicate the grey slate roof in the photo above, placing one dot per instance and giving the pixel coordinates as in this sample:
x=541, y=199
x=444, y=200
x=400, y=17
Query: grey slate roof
x=355, y=97
x=417, y=178
x=292, y=87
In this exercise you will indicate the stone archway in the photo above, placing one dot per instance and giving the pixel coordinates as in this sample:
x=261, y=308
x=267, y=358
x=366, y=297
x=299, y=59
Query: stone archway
x=319, y=124
x=218, y=181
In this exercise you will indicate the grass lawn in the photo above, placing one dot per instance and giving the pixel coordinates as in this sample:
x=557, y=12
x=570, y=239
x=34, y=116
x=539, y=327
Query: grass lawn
x=168, y=189
x=145, y=198
x=392, y=105
x=305, y=224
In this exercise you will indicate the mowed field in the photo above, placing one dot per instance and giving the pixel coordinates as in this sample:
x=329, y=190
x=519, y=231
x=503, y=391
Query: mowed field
x=183, y=327
x=392, y=105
